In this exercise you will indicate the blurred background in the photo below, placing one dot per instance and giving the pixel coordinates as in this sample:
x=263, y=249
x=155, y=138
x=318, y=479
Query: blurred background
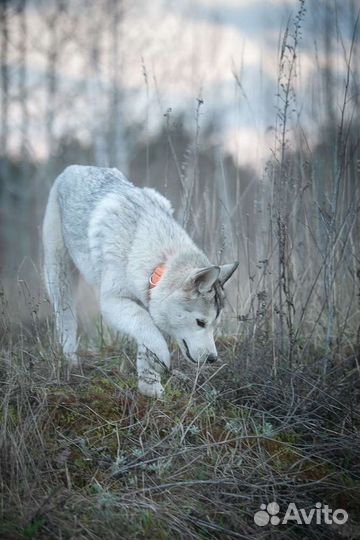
x=244, y=113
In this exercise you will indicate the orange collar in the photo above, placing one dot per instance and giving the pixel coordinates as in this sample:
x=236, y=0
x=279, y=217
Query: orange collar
x=156, y=276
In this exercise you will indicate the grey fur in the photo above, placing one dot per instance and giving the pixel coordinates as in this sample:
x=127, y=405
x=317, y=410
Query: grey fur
x=115, y=235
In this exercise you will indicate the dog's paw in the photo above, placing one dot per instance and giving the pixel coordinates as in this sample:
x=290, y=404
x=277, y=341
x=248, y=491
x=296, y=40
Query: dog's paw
x=151, y=389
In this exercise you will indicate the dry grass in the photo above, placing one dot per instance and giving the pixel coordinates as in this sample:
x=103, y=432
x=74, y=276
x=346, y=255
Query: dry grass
x=91, y=458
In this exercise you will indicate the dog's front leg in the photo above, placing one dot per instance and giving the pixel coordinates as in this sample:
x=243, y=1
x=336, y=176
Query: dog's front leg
x=153, y=357
x=149, y=381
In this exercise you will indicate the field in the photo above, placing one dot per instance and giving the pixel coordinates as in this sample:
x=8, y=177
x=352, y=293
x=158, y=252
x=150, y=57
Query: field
x=90, y=458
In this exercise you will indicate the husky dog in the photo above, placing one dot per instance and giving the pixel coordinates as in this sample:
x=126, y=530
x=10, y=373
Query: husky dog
x=150, y=276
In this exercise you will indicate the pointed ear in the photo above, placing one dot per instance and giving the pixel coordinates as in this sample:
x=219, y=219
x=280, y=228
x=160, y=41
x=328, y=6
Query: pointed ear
x=203, y=279
x=226, y=271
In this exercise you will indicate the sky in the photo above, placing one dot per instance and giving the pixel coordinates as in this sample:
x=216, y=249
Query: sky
x=172, y=52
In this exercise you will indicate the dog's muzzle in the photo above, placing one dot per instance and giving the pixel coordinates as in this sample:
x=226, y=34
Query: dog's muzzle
x=210, y=359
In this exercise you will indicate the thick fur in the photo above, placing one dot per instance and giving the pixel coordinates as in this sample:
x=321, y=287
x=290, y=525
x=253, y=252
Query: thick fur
x=115, y=234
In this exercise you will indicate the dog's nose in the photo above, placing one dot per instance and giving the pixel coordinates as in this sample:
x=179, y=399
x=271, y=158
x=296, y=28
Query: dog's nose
x=211, y=358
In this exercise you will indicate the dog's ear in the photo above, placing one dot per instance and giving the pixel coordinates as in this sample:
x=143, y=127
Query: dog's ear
x=226, y=271
x=203, y=279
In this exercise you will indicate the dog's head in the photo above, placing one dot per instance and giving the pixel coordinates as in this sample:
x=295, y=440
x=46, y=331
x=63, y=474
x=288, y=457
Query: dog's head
x=191, y=312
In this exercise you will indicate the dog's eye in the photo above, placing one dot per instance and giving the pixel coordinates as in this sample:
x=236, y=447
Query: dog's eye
x=200, y=323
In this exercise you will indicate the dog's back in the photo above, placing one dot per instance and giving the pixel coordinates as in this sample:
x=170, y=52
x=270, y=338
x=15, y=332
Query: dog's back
x=97, y=205
x=79, y=190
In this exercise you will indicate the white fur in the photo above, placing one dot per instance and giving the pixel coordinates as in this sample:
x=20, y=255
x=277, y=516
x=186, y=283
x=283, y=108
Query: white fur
x=115, y=234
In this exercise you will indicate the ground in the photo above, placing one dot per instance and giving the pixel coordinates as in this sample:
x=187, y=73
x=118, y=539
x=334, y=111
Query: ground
x=90, y=458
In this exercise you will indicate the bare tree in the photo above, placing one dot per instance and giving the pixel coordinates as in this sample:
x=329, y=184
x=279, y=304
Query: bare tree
x=23, y=88
x=4, y=61
x=116, y=129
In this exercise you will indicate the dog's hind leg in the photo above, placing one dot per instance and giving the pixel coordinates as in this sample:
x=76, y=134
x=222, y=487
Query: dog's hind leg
x=60, y=278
